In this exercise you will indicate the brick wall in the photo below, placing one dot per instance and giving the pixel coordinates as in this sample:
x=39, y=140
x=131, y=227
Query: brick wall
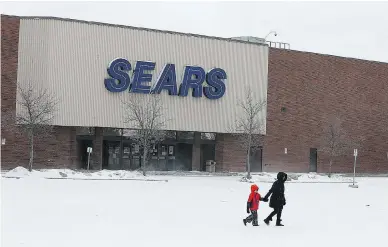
x=230, y=156
x=57, y=150
x=313, y=87
x=51, y=151
x=97, y=153
x=9, y=62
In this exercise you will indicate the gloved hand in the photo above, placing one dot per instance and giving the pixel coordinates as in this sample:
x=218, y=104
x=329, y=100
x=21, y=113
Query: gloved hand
x=265, y=199
x=248, y=211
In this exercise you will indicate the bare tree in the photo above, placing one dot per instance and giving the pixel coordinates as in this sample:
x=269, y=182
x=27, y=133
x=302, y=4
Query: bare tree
x=35, y=115
x=144, y=114
x=249, y=126
x=335, y=141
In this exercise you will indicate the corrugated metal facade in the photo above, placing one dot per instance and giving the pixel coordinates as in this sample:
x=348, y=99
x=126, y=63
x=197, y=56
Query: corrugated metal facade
x=71, y=58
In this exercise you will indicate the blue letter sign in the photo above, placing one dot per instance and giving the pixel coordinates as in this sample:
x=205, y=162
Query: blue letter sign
x=116, y=70
x=215, y=80
x=193, y=78
x=140, y=77
x=167, y=80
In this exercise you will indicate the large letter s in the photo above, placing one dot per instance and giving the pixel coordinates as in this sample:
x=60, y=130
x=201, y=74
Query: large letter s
x=117, y=70
x=215, y=79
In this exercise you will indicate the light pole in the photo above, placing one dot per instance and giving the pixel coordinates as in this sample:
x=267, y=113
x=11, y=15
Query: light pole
x=272, y=32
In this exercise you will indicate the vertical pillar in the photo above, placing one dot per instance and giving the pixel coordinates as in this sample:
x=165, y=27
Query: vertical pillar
x=121, y=151
x=97, y=148
x=196, y=155
x=219, y=155
x=73, y=160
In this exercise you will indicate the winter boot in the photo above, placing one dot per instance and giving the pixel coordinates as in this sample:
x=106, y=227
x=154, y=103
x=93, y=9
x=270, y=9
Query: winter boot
x=279, y=223
x=255, y=223
x=267, y=220
x=245, y=222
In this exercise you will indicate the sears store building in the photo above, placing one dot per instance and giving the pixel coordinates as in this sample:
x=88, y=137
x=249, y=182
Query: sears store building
x=78, y=62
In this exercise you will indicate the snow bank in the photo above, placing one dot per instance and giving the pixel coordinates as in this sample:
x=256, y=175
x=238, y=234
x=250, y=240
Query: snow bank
x=298, y=178
x=309, y=177
x=21, y=172
x=261, y=177
x=18, y=172
x=120, y=174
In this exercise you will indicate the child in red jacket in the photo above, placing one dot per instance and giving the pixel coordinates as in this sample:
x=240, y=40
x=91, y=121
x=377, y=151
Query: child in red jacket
x=253, y=205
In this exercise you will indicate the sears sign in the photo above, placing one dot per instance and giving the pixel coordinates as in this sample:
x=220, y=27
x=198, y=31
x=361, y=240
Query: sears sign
x=193, y=77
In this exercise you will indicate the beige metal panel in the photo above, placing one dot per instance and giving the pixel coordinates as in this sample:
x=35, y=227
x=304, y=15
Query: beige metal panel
x=71, y=59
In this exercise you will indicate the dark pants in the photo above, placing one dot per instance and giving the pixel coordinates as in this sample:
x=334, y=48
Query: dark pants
x=252, y=218
x=278, y=212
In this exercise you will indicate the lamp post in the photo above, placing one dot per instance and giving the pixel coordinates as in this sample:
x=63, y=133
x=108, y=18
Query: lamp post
x=272, y=32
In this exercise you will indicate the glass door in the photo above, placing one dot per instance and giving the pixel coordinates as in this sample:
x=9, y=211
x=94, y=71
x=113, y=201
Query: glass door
x=135, y=151
x=113, y=159
x=126, y=156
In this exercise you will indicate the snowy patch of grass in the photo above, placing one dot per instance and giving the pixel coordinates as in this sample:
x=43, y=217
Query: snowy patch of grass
x=21, y=172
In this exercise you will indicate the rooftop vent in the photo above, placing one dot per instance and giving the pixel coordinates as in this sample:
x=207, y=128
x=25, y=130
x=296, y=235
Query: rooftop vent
x=250, y=39
x=257, y=40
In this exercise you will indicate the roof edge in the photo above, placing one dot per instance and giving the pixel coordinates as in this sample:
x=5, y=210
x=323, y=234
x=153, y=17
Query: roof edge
x=133, y=28
x=329, y=55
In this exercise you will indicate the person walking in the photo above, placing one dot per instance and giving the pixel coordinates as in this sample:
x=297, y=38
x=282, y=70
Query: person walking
x=277, y=200
x=253, y=205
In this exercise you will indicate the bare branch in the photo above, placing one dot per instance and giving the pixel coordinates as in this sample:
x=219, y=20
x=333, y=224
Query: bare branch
x=335, y=141
x=36, y=113
x=144, y=114
x=37, y=108
x=249, y=126
x=249, y=123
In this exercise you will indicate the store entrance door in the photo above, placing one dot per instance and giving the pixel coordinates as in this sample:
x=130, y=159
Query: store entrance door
x=159, y=158
x=116, y=158
x=112, y=155
x=313, y=160
x=256, y=160
x=126, y=156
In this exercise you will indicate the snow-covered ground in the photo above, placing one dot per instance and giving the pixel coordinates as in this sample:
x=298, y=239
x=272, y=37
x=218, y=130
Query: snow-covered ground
x=21, y=172
x=187, y=211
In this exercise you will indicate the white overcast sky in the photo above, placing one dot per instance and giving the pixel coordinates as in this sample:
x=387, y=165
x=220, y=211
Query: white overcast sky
x=350, y=29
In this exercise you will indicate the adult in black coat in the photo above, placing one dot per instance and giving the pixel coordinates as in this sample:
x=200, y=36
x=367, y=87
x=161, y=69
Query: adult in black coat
x=278, y=199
